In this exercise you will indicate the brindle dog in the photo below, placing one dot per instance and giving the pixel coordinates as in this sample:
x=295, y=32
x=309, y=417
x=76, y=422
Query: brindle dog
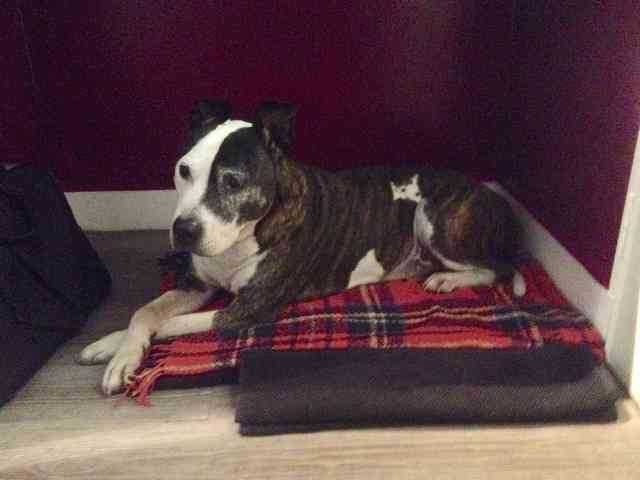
x=274, y=231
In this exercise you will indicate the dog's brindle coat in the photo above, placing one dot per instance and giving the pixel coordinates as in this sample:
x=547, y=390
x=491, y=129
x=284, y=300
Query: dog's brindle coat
x=274, y=231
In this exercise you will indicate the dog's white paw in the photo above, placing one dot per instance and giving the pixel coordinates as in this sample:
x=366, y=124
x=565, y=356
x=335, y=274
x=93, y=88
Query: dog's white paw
x=446, y=282
x=120, y=370
x=103, y=350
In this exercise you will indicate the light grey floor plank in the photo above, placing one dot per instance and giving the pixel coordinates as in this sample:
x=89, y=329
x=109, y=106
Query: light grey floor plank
x=60, y=427
x=212, y=449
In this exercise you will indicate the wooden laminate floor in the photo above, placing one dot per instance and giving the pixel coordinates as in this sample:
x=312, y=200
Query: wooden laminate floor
x=60, y=427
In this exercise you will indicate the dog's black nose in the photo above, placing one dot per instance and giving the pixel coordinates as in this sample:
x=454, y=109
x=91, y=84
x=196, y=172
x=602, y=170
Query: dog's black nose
x=186, y=232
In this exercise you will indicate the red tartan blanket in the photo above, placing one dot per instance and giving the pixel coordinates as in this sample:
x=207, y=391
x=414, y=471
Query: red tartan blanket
x=390, y=315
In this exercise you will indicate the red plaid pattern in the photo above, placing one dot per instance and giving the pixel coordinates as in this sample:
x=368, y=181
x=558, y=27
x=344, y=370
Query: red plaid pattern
x=397, y=314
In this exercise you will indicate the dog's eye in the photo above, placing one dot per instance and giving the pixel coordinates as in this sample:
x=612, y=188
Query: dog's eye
x=184, y=172
x=231, y=182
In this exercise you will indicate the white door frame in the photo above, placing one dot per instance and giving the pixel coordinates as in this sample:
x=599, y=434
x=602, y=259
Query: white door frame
x=623, y=335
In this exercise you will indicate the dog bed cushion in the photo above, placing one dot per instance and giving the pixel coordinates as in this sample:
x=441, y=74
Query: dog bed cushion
x=283, y=392
x=476, y=353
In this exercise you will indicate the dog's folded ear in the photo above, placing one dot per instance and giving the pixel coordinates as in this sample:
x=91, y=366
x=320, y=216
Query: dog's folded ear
x=207, y=115
x=275, y=123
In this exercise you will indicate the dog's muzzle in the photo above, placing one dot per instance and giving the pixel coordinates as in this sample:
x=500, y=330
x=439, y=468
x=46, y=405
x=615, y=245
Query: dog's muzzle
x=186, y=233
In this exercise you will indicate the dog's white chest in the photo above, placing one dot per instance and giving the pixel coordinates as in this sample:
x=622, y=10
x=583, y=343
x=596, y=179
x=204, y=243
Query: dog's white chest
x=233, y=268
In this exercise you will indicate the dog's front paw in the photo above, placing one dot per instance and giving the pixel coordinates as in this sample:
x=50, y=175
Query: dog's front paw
x=443, y=282
x=121, y=368
x=103, y=350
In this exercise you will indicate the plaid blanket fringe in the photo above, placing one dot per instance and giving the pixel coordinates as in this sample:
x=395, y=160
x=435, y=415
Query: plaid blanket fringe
x=397, y=314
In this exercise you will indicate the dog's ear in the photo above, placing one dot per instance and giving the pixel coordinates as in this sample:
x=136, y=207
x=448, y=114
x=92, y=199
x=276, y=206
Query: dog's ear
x=275, y=123
x=207, y=115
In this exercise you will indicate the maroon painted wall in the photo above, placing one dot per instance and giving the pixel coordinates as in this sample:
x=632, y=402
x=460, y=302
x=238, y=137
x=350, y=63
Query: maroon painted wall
x=542, y=94
x=376, y=81
x=575, y=108
x=17, y=125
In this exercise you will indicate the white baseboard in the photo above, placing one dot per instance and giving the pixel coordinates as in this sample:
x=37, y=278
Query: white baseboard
x=144, y=210
x=152, y=209
x=577, y=284
x=623, y=339
x=127, y=210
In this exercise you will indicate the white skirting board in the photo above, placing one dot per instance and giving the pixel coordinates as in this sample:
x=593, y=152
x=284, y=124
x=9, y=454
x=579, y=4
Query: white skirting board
x=573, y=279
x=614, y=311
x=153, y=209
x=126, y=210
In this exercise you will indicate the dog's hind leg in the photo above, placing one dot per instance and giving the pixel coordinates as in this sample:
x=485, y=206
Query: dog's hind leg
x=472, y=276
x=461, y=276
x=453, y=274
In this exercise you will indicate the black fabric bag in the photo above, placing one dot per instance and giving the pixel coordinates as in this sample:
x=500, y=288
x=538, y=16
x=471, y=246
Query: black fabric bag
x=51, y=278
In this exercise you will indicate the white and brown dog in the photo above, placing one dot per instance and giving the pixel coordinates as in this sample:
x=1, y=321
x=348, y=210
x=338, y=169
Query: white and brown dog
x=274, y=231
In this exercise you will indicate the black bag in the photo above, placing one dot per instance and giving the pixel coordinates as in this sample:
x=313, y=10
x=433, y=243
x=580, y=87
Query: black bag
x=51, y=278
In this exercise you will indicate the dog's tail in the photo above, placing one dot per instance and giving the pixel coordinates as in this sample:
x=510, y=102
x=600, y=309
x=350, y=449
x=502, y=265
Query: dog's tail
x=507, y=271
x=519, y=284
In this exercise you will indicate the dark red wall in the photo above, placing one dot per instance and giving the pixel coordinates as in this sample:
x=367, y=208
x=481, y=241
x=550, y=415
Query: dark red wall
x=376, y=81
x=575, y=109
x=17, y=126
x=541, y=94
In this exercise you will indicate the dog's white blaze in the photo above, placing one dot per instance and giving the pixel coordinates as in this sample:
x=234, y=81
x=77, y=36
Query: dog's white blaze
x=199, y=160
x=407, y=191
x=367, y=270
